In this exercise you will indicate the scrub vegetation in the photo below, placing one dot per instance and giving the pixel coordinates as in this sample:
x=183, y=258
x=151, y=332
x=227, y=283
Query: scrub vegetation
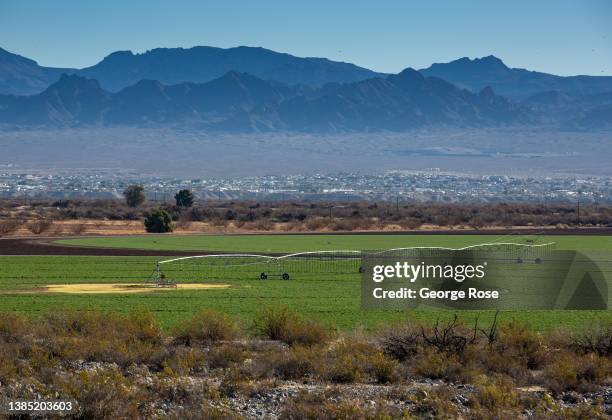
x=281, y=364
x=298, y=216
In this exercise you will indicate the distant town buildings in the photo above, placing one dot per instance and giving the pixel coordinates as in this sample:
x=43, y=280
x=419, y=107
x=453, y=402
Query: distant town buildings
x=404, y=186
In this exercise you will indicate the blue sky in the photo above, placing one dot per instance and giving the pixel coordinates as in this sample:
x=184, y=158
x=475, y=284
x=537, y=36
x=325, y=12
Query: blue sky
x=562, y=37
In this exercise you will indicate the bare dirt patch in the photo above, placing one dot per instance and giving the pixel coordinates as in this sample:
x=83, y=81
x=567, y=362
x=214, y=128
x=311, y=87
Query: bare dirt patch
x=99, y=288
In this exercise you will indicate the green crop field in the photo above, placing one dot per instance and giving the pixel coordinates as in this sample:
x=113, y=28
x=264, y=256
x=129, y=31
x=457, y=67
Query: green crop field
x=299, y=243
x=333, y=299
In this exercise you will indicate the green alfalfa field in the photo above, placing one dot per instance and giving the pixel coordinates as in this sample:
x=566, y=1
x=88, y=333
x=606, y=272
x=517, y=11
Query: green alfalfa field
x=332, y=299
x=279, y=243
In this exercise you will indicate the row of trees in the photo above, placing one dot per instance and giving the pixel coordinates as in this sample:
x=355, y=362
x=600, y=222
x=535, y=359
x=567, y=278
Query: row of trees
x=135, y=196
x=159, y=220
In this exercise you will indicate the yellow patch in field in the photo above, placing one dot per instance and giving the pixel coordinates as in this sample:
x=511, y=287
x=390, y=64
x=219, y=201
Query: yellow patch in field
x=94, y=288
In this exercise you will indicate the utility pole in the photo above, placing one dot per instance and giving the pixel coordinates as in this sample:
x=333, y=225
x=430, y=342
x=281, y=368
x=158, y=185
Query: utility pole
x=578, y=212
x=397, y=205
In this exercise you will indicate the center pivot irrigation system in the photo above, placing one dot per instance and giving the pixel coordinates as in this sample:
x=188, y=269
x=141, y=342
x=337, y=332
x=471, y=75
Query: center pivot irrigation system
x=248, y=266
x=309, y=265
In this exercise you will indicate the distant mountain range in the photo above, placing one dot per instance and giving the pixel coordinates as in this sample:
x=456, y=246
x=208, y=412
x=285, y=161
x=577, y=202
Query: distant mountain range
x=253, y=89
x=513, y=83
x=22, y=76
x=242, y=102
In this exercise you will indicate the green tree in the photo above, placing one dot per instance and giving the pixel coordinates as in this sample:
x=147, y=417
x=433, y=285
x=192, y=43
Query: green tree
x=158, y=221
x=134, y=195
x=184, y=198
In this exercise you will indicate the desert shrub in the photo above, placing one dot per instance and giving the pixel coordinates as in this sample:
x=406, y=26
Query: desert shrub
x=185, y=394
x=382, y=368
x=343, y=363
x=348, y=216
x=206, y=327
x=436, y=403
x=518, y=342
x=183, y=361
x=547, y=408
x=491, y=361
x=9, y=366
x=284, y=324
x=226, y=355
x=326, y=406
x=235, y=383
x=496, y=399
x=569, y=372
x=17, y=347
x=404, y=340
x=435, y=364
x=158, y=221
x=138, y=324
x=39, y=226
x=93, y=336
x=326, y=410
x=298, y=362
x=353, y=360
x=102, y=394
x=13, y=327
x=594, y=339
x=304, y=332
x=262, y=363
x=9, y=226
x=451, y=337
x=271, y=322
x=401, y=341
x=206, y=411
x=141, y=325
x=281, y=362
x=448, y=350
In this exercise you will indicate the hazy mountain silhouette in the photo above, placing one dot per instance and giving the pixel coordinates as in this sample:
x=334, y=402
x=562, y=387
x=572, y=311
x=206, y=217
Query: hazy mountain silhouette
x=202, y=64
x=479, y=73
x=245, y=89
x=399, y=102
x=19, y=75
x=72, y=100
x=221, y=99
x=121, y=69
x=242, y=102
x=573, y=111
x=22, y=76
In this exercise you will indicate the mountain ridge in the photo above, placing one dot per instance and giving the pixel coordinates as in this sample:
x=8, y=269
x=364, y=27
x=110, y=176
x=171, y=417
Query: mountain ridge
x=293, y=93
x=197, y=64
x=240, y=101
x=516, y=83
x=23, y=76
